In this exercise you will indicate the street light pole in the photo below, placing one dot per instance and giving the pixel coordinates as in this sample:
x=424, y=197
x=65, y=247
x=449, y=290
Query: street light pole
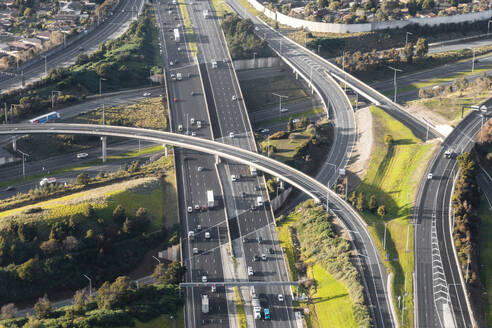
x=406, y=37
x=157, y=259
x=23, y=163
x=90, y=284
x=254, y=59
x=45, y=65
x=280, y=102
x=394, y=80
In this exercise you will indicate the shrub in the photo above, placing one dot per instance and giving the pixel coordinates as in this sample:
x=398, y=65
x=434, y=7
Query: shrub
x=279, y=135
x=388, y=139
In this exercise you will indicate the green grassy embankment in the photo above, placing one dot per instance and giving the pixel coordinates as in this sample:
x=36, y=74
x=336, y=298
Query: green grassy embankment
x=258, y=93
x=331, y=305
x=189, y=34
x=164, y=321
x=393, y=177
x=240, y=313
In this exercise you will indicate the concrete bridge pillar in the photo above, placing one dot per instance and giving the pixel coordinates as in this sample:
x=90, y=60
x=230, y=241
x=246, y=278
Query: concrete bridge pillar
x=165, y=150
x=104, y=148
x=14, y=143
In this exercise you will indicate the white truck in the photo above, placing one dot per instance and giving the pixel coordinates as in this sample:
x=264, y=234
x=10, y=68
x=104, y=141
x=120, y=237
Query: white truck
x=176, y=35
x=205, y=305
x=179, y=77
x=210, y=199
x=256, y=307
x=259, y=201
x=253, y=171
x=47, y=181
x=206, y=14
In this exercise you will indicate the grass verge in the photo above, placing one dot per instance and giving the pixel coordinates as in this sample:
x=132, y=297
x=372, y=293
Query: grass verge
x=286, y=118
x=449, y=78
x=221, y=8
x=331, y=301
x=240, y=313
x=258, y=93
x=189, y=34
x=393, y=177
x=163, y=321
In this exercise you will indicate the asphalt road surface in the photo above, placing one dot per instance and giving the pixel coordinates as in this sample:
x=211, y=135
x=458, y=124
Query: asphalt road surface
x=195, y=173
x=226, y=108
x=440, y=298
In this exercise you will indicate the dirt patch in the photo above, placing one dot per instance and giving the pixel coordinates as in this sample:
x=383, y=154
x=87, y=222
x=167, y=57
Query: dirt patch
x=361, y=154
x=432, y=117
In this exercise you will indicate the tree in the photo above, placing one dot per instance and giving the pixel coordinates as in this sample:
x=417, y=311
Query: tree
x=129, y=226
x=8, y=311
x=116, y=294
x=173, y=274
x=422, y=47
x=29, y=270
x=82, y=179
x=119, y=214
x=290, y=125
x=408, y=52
x=360, y=202
x=382, y=211
x=388, y=139
x=412, y=7
x=427, y=4
x=373, y=204
x=49, y=247
x=32, y=322
x=88, y=211
x=352, y=198
x=43, y=308
x=141, y=213
x=27, y=12
x=80, y=300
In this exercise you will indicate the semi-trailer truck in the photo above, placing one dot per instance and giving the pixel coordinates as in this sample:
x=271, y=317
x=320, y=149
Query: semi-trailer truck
x=205, y=305
x=210, y=199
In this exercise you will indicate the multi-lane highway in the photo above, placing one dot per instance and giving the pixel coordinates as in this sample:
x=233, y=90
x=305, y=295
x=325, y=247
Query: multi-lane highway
x=440, y=292
x=231, y=125
x=107, y=30
x=195, y=173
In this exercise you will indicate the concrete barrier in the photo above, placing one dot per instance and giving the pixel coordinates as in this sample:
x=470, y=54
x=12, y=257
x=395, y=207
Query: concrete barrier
x=368, y=27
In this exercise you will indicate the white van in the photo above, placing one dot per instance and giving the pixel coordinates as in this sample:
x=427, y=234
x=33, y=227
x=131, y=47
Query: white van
x=259, y=201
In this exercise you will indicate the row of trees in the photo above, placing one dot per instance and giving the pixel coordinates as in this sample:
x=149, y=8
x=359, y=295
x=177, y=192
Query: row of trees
x=481, y=84
x=465, y=202
x=243, y=42
x=40, y=256
x=116, y=304
x=320, y=244
x=358, y=201
x=372, y=61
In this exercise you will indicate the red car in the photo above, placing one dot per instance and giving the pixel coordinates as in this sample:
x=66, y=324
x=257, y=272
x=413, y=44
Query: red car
x=175, y=99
